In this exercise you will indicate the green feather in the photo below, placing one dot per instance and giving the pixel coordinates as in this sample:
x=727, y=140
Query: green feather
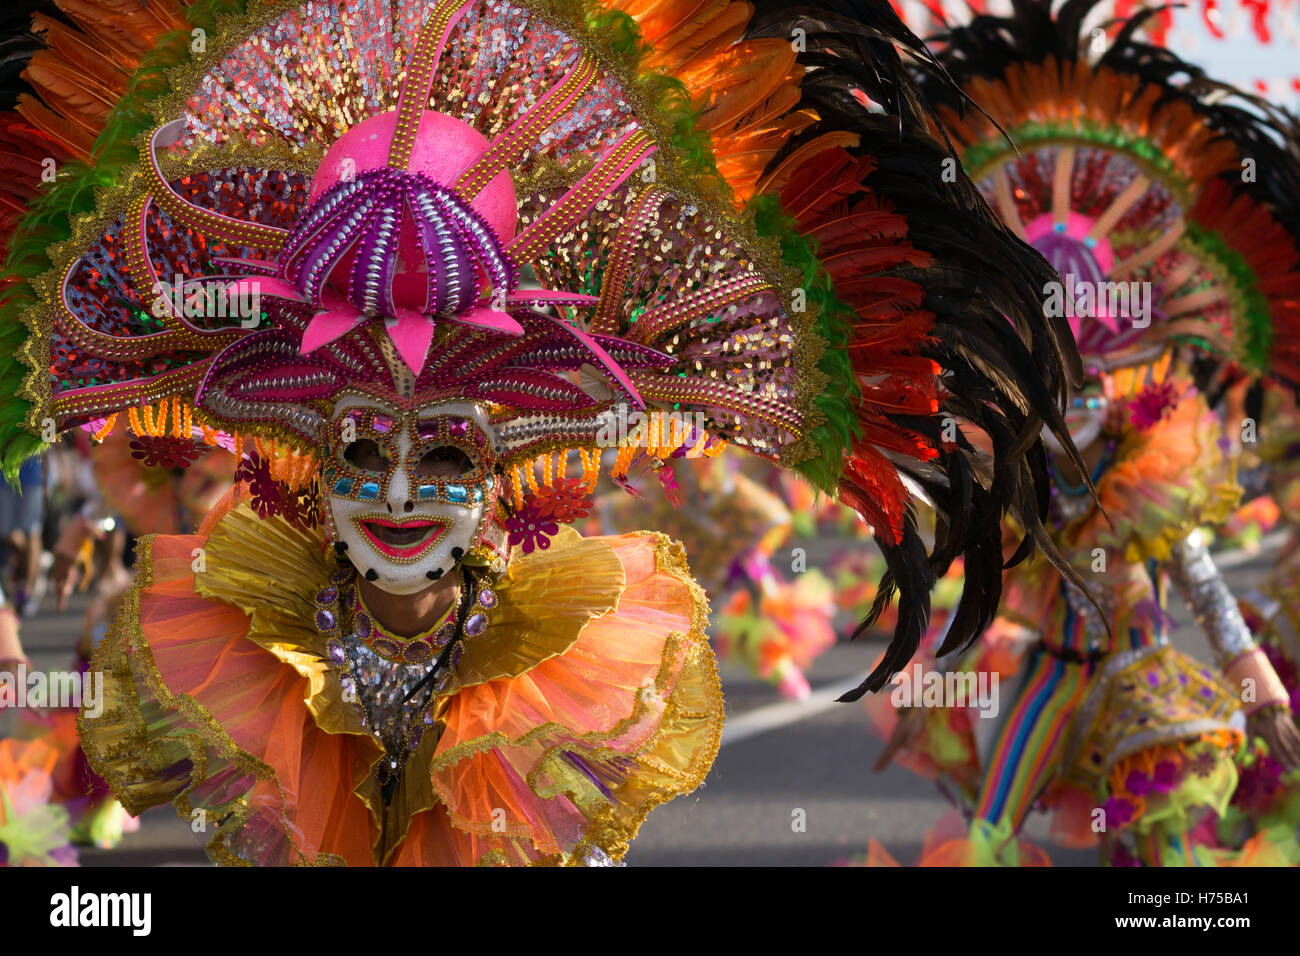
x=1253, y=332
x=836, y=404
x=689, y=146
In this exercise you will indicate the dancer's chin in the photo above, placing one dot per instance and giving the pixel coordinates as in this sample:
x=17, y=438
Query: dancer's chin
x=406, y=581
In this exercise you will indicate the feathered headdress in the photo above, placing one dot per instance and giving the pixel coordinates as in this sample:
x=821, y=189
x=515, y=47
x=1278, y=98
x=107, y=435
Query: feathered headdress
x=1132, y=170
x=558, y=210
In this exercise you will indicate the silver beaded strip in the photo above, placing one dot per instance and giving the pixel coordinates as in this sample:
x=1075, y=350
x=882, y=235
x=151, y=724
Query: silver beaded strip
x=1193, y=572
x=380, y=687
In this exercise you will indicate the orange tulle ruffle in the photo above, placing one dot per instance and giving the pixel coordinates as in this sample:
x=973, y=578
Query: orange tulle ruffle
x=539, y=761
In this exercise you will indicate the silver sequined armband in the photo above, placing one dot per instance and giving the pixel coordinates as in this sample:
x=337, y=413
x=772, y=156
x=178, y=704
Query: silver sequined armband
x=1193, y=572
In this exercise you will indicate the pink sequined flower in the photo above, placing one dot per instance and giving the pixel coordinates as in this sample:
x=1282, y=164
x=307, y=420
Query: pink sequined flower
x=1167, y=775
x=530, y=527
x=303, y=508
x=1258, y=785
x=165, y=451
x=1205, y=763
x=268, y=495
x=1119, y=812
x=1151, y=405
x=1138, y=783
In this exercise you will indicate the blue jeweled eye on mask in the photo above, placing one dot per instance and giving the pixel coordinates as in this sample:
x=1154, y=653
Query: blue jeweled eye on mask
x=363, y=454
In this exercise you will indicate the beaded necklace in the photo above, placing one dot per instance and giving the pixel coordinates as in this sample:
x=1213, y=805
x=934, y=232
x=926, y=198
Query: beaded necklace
x=406, y=650
x=440, y=648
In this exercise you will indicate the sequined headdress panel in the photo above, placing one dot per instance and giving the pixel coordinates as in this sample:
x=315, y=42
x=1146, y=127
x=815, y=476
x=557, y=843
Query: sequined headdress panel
x=467, y=147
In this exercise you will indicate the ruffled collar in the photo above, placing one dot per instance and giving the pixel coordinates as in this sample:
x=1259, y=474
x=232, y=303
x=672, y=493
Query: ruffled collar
x=272, y=570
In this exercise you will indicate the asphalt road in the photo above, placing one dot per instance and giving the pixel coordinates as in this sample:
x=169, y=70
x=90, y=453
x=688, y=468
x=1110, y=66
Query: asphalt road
x=777, y=758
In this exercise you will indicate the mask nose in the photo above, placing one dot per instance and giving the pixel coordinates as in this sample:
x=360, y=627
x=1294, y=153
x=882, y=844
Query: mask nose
x=399, y=486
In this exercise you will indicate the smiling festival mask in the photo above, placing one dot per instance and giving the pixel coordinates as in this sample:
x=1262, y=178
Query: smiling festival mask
x=409, y=492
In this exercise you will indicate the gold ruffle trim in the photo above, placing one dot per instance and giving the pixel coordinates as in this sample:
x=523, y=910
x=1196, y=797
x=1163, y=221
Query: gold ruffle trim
x=270, y=570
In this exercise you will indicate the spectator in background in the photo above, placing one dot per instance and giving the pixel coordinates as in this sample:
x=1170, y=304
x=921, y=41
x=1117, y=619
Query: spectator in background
x=21, y=519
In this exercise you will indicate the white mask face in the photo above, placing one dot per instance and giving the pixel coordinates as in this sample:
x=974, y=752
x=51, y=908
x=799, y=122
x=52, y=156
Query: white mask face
x=1085, y=417
x=408, y=490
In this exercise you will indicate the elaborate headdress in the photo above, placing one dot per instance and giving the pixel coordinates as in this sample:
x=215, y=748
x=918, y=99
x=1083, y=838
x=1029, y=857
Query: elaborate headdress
x=1132, y=169
x=555, y=212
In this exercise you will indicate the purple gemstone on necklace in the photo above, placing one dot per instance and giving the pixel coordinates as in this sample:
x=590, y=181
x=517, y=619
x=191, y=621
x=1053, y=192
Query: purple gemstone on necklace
x=456, y=653
x=428, y=719
x=475, y=624
x=341, y=575
x=363, y=625
x=336, y=652
x=327, y=595
x=417, y=652
x=443, y=636
x=487, y=599
x=387, y=648
x=325, y=620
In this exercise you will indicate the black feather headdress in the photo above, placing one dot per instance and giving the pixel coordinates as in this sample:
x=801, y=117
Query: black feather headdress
x=1002, y=366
